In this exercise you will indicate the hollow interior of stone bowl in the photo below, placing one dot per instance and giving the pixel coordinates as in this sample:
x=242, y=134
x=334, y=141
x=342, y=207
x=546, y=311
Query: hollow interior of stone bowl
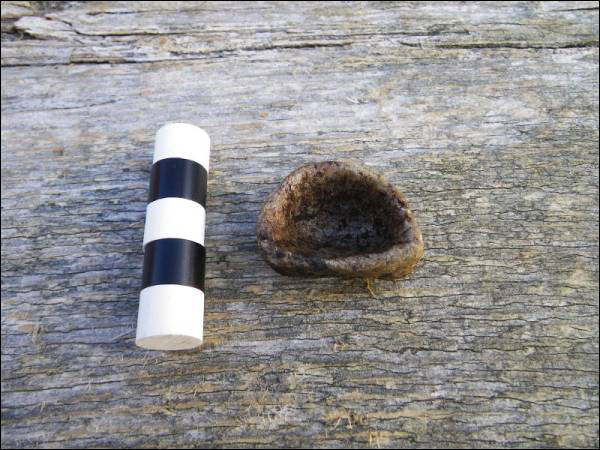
x=338, y=212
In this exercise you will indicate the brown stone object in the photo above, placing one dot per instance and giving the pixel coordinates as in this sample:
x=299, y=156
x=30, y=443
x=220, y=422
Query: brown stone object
x=338, y=219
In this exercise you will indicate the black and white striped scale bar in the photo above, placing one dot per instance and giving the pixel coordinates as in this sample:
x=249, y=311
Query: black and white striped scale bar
x=171, y=310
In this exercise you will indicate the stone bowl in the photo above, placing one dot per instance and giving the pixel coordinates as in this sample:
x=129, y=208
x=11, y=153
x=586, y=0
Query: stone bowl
x=338, y=219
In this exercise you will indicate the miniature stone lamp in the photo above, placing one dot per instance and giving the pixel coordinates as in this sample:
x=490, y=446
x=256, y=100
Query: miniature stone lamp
x=338, y=219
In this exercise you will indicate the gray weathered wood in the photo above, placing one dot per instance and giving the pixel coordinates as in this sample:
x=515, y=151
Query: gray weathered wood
x=484, y=114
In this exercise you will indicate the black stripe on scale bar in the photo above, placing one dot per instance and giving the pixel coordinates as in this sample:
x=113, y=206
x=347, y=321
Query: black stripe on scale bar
x=174, y=261
x=178, y=177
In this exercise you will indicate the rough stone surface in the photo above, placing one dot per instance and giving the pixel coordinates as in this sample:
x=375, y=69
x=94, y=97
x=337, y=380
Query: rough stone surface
x=338, y=218
x=484, y=114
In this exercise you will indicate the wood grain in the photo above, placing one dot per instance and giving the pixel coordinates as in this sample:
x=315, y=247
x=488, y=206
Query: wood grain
x=484, y=114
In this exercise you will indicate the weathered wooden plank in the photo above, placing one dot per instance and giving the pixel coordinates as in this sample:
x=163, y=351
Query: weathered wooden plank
x=119, y=32
x=492, y=342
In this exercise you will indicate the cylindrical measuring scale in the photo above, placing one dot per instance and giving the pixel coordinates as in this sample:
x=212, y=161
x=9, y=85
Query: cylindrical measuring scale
x=171, y=309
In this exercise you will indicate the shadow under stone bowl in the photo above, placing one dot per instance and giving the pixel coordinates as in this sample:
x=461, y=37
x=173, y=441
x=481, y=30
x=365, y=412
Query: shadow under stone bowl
x=338, y=219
